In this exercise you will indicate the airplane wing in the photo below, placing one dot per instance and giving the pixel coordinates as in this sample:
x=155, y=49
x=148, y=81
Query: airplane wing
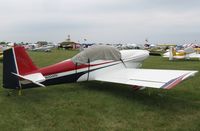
x=194, y=55
x=165, y=79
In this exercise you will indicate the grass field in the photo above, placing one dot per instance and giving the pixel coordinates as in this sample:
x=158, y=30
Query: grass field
x=103, y=106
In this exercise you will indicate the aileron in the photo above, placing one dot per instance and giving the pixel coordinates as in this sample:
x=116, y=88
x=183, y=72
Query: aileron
x=147, y=77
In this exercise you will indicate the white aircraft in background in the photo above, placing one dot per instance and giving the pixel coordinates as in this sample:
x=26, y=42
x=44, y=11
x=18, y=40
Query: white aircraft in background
x=130, y=46
x=43, y=48
x=99, y=63
x=187, y=53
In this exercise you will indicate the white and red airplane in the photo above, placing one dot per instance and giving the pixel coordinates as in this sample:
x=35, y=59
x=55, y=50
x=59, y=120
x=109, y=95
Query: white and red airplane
x=100, y=63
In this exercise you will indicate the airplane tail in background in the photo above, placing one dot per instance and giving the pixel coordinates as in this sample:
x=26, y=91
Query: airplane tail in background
x=16, y=62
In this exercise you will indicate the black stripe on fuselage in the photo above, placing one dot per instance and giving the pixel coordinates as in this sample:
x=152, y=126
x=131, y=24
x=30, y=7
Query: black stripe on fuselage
x=59, y=80
x=64, y=79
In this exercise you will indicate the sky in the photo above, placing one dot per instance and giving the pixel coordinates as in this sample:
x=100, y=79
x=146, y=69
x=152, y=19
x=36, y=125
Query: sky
x=101, y=21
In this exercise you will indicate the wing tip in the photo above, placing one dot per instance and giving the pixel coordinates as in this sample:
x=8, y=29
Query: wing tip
x=172, y=83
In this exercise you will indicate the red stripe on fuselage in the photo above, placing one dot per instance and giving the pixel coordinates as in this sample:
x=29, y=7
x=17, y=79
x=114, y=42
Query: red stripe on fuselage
x=64, y=66
x=58, y=68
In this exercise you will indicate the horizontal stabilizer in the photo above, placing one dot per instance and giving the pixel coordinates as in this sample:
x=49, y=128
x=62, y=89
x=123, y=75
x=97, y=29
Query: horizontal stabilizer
x=165, y=79
x=35, y=78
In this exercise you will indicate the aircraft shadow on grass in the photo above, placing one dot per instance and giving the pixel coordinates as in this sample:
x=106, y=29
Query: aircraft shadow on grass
x=151, y=98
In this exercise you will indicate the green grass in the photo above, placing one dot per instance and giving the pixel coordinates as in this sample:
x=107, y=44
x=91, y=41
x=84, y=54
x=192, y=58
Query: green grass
x=103, y=106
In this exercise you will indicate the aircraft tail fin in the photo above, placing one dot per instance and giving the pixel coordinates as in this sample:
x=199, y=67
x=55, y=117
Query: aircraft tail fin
x=16, y=61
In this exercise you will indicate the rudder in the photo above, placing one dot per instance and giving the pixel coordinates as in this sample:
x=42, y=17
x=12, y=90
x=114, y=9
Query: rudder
x=17, y=61
x=9, y=80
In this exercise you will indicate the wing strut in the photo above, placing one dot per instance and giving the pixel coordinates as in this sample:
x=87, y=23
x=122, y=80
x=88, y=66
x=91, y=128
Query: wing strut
x=123, y=63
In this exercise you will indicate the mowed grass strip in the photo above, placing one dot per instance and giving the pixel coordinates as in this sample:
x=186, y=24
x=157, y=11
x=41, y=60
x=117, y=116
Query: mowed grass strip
x=103, y=106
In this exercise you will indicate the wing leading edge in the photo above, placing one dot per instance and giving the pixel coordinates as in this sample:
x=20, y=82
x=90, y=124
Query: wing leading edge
x=165, y=79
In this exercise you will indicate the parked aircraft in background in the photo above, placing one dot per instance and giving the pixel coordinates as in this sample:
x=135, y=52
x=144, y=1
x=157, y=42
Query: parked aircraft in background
x=186, y=53
x=100, y=63
x=43, y=48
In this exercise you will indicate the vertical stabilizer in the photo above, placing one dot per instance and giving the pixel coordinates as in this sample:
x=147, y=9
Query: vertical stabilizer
x=9, y=65
x=16, y=61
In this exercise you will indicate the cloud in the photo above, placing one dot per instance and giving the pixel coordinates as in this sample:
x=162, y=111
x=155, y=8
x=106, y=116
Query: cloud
x=106, y=21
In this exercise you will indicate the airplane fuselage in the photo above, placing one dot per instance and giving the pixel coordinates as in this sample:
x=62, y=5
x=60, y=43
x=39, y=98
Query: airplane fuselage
x=68, y=72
